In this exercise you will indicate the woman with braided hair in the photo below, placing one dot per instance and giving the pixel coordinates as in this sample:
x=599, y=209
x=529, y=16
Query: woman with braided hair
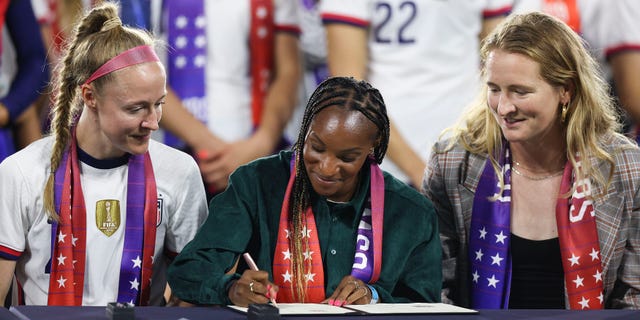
x=92, y=213
x=313, y=219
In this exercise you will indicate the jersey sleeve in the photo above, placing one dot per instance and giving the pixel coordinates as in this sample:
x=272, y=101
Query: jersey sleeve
x=14, y=225
x=189, y=210
x=286, y=16
x=497, y=8
x=622, y=26
x=353, y=12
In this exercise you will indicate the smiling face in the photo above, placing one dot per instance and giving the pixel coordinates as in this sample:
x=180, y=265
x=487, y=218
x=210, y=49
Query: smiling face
x=525, y=106
x=124, y=112
x=335, y=149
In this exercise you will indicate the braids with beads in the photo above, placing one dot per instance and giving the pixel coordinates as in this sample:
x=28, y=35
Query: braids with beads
x=98, y=37
x=350, y=94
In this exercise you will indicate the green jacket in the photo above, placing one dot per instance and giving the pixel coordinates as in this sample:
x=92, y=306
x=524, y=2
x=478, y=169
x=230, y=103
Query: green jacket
x=245, y=217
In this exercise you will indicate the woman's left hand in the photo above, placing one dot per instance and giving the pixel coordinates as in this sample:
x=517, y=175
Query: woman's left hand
x=350, y=291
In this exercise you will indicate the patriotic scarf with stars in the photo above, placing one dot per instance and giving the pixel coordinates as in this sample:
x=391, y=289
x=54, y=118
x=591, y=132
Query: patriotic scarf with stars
x=186, y=61
x=68, y=236
x=490, y=235
x=368, y=256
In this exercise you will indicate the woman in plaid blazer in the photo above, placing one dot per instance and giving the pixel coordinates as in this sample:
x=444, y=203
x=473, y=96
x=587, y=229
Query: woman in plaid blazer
x=536, y=192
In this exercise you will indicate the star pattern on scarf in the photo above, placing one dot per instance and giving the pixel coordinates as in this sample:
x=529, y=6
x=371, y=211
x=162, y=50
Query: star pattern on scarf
x=61, y=282
x=309, y=276
x=134, y=284
x=137, y=263
x=287, y=276
x=61, y=259
x=61, y=237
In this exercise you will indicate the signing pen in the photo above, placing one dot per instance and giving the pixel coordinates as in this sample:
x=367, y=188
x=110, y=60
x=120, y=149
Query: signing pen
x=253, y=266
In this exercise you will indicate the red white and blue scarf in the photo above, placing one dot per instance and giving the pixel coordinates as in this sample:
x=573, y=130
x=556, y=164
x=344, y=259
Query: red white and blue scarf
x=368, y=256
x=490, y=234
x=68, y=236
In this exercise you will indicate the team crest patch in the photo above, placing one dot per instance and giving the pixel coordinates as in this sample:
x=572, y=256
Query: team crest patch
x=108, y=216
x=159, y=210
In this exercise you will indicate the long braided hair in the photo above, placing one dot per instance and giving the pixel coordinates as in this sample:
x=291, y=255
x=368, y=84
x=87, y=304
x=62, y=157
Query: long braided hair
x=350, y=94
x=98, y=37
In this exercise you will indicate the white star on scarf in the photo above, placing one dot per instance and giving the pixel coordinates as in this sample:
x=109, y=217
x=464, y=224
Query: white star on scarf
x=309, y=276
x=61, y=282
x=493, y=281
x=598, y=276
x=600, y=297
x=137, y=262
x=200, y=21
x=261, y=12
x=500, y=237
x=578, y=281
x=574, y=259
x=496, y=259
x=584, y=303
x=483, y=233
x=180, y=62
x=200, y=41
x=73, y=240
x=476, y=276
x=306, y=232
x=594, y=254
x=181, y=22
x=479, y=254
x=61, y=237
x=307, y=254
x=61, y=259
x=181, y=42
x=134, y=283
x=287, y=276
x=287, y=255
x=199, y=61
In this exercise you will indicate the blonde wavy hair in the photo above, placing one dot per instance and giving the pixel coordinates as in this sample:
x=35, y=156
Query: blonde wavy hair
x=97, y=37
x=591, y=119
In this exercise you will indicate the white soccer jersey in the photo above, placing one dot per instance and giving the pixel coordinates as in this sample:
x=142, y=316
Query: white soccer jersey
x=607, y=26
x=228, y=79
x=423, y=57
x=25, y=231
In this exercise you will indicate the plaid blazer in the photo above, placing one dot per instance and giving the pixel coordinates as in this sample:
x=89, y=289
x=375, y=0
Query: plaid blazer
x=451, y=179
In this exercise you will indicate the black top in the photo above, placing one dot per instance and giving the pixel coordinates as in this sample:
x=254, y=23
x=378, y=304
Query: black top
x=537, y=281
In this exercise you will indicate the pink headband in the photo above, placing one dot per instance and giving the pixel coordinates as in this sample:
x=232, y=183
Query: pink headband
x=136, y=55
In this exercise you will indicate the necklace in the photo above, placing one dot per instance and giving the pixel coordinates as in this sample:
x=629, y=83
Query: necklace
x=534, y=178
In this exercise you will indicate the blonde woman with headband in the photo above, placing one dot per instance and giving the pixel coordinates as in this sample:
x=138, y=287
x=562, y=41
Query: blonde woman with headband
x=536, y=192
x=94, y=212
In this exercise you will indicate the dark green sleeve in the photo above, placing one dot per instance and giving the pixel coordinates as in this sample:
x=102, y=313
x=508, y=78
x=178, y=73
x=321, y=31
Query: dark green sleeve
x=199, y=273
x=412, y=255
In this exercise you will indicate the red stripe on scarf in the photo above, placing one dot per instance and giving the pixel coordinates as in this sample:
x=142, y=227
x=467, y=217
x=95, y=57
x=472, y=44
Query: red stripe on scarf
x=150, y=222
x=66, y=282
x=282, y=271
x=580, y=249
x=261, y=49
x=68, y=261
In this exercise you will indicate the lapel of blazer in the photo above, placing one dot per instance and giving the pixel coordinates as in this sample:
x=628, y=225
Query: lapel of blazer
x=468, y=183
x=608, y=208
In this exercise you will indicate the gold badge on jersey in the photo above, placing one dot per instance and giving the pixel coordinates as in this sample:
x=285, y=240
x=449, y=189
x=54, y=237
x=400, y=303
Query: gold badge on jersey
x=108, y=216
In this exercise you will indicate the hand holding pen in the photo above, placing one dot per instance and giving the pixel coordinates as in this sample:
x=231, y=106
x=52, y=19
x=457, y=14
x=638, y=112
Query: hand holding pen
x=253, y=287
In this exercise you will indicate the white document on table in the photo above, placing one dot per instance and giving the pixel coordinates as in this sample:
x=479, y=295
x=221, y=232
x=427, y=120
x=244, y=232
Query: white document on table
x=378, y=308
x=409, y=308
x=303, y=309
